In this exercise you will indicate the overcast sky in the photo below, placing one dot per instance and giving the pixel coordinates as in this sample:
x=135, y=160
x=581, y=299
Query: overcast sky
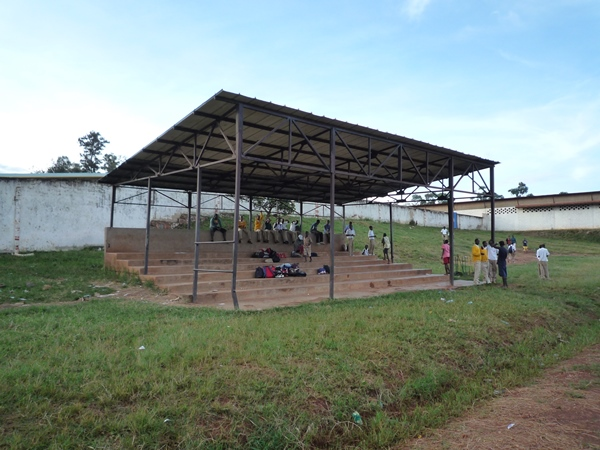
x=515, y=81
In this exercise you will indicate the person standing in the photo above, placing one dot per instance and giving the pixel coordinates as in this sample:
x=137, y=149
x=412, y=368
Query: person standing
x=444, y=232
x=525, y=245
x=492, y=253
x=446, y=256
x=385, y=241
x=216, y=225
x=350, y=235
x=371, y=236
x=512, y=252
x=476, y=255
x=307, y=246
x=485, y=265
x=502, y=271
x=542, y=256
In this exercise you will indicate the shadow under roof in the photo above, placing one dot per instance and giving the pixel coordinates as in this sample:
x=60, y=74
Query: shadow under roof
x=287, y=153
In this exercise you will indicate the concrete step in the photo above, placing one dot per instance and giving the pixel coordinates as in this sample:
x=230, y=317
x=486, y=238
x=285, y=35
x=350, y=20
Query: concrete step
x=245, y=267
x=213, y=280
x=301, y=291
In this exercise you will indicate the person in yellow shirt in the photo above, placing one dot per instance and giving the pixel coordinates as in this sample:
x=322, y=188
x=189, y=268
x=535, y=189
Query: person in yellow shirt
x=476, y=254
x=258, y=226
x=243, y=230
x=485, y=265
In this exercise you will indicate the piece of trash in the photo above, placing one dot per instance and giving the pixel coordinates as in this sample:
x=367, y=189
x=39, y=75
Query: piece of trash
x=26, y=291
x=449, y=301
x=510, y=426
x=32, y=284
x=166, y=420
x=356, y=417
x=499, y=391
x=504, y=322
x=469, y=303
x=443, y=299
x=23, y=299
x=142, y=348
x=451, y=320
x=488, y=380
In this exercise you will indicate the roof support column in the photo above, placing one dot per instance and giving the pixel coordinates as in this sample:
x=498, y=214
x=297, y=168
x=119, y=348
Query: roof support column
x=189, y=210
x=493, y=205
x=451, y=217
x=112, y=205
x=197, y=234
x=332, y=212
x=239, y=142
x=391, y=233
x=148, y=211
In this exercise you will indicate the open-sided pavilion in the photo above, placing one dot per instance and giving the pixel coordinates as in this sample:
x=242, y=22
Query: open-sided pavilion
x=240, y=146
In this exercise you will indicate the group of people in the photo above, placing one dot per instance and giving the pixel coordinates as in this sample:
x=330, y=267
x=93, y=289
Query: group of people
x=490, y=259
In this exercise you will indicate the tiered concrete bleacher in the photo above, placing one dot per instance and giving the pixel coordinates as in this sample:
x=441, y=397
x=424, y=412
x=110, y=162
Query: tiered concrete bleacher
x=171, y=267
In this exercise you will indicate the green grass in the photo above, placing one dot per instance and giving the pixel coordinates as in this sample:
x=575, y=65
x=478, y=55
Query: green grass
x=49, y=277
x=74, y=377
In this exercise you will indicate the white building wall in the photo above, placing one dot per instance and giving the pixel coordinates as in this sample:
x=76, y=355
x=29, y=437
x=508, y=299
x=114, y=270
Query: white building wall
x=545, y=218
x=56, y=214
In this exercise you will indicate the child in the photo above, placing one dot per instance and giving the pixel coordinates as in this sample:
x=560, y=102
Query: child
x=365, y=251
x=386, y=247
x=307, y=246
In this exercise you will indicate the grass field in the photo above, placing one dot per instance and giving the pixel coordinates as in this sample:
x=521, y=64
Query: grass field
x=73, y=374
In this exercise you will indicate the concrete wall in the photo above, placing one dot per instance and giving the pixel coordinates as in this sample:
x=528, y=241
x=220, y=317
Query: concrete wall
x=42, y=213
x=545, y=218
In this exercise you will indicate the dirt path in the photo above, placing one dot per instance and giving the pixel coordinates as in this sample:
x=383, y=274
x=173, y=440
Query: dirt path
x=560, y=411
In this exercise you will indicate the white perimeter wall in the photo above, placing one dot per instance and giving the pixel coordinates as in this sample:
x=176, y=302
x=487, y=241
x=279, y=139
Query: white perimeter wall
x=57, y=214
x=545, y=218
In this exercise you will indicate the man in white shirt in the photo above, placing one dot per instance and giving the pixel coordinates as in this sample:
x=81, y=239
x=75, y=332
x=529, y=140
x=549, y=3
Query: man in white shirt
x=350, y=234
x=542, y=256
x=371, y=236
x=492, y=261
x=444, y=232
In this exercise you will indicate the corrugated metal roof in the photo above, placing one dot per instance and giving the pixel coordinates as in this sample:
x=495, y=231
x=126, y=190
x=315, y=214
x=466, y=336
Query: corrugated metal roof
x=286, y=154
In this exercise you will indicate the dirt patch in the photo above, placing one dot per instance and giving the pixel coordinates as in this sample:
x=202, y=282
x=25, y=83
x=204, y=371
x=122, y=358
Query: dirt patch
x=560, y=411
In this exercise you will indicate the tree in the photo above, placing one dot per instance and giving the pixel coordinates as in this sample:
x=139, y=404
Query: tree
x=93, y=145
x=483, y=195
x=268, y=205
x=520, y=190
x=111, y=162
x=64, y=165
x=430, y=199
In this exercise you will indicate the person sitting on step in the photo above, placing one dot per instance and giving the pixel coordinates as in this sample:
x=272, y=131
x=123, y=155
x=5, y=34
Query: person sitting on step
x=216, y=225
x=243, y=230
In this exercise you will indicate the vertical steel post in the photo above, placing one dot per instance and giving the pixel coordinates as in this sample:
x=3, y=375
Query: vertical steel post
x=391, y=233
x=189, y=210
x=492, y=205
x=112, y=205
x=239, y=136
x=197, y=233
x=451, y=218
x=147, y=242
x=332, y=212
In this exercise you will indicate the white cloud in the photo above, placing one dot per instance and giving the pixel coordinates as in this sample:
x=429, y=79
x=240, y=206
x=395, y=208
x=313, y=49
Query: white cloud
x=415, y=8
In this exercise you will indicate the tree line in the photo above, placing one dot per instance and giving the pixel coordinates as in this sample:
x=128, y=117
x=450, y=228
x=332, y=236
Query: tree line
x=92, y=157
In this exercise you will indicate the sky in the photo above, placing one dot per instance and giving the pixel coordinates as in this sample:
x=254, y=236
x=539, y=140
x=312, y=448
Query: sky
x=514, y=81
